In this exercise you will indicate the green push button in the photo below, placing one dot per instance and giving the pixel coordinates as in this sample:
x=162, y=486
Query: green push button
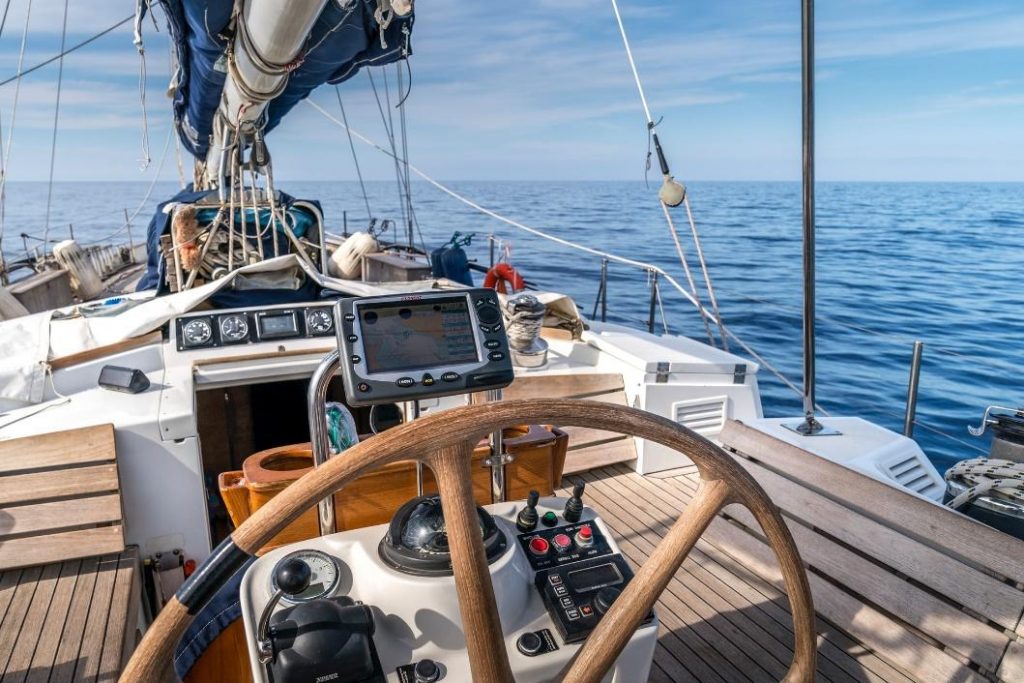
x=549, y=519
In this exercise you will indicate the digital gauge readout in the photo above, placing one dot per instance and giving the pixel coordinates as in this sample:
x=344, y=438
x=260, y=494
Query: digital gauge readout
x=322, y=582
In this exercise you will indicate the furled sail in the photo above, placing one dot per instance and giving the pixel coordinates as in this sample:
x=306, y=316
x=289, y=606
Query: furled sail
x=348, y=35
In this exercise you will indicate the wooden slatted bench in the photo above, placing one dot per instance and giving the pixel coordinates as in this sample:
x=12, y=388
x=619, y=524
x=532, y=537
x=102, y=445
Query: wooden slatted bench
x=69, y=588
x=588, y=448
x=935, y=594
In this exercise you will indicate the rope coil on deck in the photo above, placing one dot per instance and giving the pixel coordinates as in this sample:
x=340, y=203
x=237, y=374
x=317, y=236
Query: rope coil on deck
x=985, y=476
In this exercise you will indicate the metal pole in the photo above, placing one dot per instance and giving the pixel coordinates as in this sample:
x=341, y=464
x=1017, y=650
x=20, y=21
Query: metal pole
x=604, y=290
x=419, y=464
x=490, y=244
x=915, y=377
x=810, y=426
x=131, y=245
x=344, y=218
x=654, y=301
x=499, y=492
x=71, y=230
x=318, y=436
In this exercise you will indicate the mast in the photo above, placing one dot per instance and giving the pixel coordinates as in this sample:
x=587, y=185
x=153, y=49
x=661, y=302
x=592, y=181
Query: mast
x=810, y=426
x=268, y=43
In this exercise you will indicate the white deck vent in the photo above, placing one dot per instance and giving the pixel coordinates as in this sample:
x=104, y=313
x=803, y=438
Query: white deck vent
x=706, y=416
x=910, y=473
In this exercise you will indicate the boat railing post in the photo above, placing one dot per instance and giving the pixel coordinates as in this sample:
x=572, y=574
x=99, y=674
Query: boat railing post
x=71, y=230
x=344, y=223
x=318, y=435
x=490, y=248
x=131, y=244
x=604, y=290
x=652, y=309
x=498, y=459
x=915, y=377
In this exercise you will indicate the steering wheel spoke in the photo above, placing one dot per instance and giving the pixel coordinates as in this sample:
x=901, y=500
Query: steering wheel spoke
x=480, y=619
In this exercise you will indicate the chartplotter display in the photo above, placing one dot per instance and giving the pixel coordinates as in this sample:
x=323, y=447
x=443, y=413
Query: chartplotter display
x=406, y=347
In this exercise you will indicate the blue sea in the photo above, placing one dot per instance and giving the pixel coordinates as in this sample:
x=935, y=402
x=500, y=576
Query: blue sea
x=897, y=262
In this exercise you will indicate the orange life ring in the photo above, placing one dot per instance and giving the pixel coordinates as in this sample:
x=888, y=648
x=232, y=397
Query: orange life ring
x=500, y=274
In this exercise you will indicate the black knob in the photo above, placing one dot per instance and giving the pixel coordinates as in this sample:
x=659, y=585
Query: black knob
x=574, y=506
x=604, y=599
x=529, y=644
x=527, y=519
x=293, y=576
x=426, y=671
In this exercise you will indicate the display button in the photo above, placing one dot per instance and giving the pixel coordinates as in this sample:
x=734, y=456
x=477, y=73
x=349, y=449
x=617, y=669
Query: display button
x=427, y=380
x=555, y=580
x=492, y=344
x=405, y=382
x=489, y=314
x=352, y=338
x=496, y=355
x=549, y=519
x=586, y=610
x=567, y=603
x=561, y=591
x=349, y=317
x=363, y=387
x=539, y=546
x=585, y=536
x=573, y=614
x=561, y=543
x=356, y=360
x=450, y=376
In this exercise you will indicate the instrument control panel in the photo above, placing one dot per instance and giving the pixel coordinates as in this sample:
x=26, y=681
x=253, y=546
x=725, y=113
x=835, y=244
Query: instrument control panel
x=252, y=326
x=578, y=575
x=424, y=345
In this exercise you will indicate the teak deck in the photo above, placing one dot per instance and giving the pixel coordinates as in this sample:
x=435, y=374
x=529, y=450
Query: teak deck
x=892, y=604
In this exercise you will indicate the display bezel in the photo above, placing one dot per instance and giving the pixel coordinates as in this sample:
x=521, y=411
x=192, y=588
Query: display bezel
x=570, y=577
x=391, y=374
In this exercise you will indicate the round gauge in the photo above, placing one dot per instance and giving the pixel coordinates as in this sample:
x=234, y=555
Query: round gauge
x=319, y=320
x=234, y=328
x=196, y=332
x=324, y=579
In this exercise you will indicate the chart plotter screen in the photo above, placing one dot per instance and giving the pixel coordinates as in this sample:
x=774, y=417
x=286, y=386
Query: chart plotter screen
x=406, y=335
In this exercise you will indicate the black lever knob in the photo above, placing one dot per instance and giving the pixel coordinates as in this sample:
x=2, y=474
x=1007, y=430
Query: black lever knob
x=574, y=506
x=604, y=599
x=527, y=519
x=293, y=576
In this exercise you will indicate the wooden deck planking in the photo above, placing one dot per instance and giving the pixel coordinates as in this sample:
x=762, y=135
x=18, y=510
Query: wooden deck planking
x=714, y=610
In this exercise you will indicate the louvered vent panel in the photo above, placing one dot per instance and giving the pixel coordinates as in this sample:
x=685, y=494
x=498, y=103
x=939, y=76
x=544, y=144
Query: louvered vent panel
x=911, y=474
x=706, y=416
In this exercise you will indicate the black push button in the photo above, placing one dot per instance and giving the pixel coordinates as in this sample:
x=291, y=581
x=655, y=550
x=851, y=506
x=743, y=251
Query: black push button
x=450, y=376
x=489, y=315
x=496, y=355
x=352, y=339
x=529, y=644
x=363, y=387
x=349, y=317
x=356, y=360
x=405, y=382
x=427, y=380
x=426, y=671
x=492, y=344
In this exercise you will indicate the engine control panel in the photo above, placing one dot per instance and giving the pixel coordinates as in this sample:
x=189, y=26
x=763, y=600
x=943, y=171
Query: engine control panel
x=548, y=601
x=252, y=326
x=411, y=346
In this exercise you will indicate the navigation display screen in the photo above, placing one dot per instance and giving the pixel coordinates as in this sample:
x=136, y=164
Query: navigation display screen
x=410, y=335
x=592, y=578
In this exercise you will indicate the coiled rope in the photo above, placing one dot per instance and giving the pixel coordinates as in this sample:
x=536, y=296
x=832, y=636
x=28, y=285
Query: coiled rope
x=985, y=476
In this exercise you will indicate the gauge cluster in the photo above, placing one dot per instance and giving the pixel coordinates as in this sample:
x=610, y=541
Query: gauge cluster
x=212, y=330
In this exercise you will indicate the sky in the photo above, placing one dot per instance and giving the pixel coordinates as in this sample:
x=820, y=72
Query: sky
x=541, y=90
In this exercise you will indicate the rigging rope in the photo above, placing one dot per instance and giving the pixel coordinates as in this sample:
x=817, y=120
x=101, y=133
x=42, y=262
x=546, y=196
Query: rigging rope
x=17, y=76
x=355, y=157
x=686, y=200
x=56, y=122
x=996, y=478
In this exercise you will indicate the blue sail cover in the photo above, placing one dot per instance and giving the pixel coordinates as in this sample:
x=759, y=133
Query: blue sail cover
x=342, y=41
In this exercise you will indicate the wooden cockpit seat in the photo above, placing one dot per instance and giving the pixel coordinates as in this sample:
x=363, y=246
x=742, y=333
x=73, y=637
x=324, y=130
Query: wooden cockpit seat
x=69, y=588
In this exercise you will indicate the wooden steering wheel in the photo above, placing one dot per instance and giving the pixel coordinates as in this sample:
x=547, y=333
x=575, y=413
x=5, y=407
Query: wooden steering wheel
x=444, y=441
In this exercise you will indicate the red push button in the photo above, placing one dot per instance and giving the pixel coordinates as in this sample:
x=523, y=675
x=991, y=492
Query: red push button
x=538, y=546
x=585, y=535
x=561, y=543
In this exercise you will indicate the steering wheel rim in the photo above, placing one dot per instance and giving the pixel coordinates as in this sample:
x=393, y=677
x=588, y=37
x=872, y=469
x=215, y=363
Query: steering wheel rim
x=444, y=441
